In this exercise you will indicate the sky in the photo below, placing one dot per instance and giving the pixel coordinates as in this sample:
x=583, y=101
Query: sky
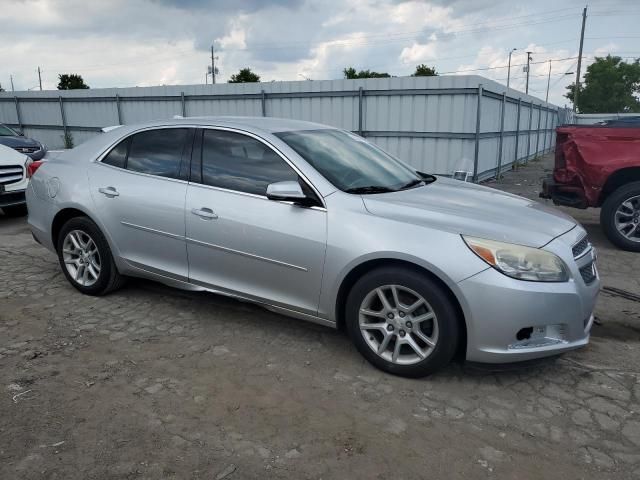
x=123, y=43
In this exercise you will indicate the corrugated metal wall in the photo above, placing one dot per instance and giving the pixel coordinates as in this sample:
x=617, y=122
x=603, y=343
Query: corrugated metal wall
x=437, y=124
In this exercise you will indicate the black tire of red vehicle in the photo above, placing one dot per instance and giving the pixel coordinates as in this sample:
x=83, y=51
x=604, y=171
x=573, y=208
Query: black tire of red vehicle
x=15, y=211
x=109, y=278
x=440, y=302
x=608, y=214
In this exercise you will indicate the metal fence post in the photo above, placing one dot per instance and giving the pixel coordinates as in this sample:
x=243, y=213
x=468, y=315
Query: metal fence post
x=476, y=153
x=118, y=109
x=515, y=155
x=17, y=102
x=546, y=130
x=538, y=134
x=360, y=100
x=264, y=103
x=526, y=158
x=64, y=117
x=504, y=102
x=183, y=104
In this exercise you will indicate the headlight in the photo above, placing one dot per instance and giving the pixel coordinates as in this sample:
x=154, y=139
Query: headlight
x=518, y=261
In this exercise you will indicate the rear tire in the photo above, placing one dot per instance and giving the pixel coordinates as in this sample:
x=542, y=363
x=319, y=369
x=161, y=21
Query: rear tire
x=86, y=259
x=15, y=210
x=623, y=207
x=423, y=337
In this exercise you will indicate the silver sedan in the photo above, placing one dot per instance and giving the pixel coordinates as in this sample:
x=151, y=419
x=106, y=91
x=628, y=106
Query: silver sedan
x=318, y=224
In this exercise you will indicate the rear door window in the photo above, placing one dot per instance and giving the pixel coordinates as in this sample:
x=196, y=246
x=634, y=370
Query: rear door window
x=157, y=152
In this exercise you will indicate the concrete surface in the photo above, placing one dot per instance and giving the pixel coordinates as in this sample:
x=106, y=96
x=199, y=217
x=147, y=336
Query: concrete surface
x=153, y=383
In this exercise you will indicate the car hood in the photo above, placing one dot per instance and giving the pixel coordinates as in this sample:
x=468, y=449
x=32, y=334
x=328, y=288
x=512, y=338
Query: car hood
x=9, y=156
x=14, y=142
x=469, y=209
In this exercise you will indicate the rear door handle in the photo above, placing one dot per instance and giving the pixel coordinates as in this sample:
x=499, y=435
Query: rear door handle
x=205, y=213
x=108, y=191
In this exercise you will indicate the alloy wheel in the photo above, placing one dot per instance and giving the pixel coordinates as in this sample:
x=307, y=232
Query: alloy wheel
x=627, y=218
x=81, y=258
x=398, y=324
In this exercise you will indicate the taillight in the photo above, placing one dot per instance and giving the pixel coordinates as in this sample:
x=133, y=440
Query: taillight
x=33, y=167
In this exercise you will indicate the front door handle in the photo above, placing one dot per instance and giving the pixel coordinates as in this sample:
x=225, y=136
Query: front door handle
x=109, y=191
x=205, y=213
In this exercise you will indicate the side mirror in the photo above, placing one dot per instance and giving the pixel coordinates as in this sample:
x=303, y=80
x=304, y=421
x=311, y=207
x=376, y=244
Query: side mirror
x=289, y=190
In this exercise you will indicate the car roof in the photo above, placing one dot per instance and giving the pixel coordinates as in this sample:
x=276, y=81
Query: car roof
x=264, y=124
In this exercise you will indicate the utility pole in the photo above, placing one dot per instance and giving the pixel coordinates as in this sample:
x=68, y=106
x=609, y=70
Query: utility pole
x=528, y=68
x=213, y=67
x=509, y=68
x=12, y=89
x=40, y=78
x=548, y=82
x=576, y=89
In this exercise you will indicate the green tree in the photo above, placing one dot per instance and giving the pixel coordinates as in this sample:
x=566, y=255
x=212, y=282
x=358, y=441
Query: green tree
x=71, y=81
x=245, y=75
x=423, y=71
x=350, y=73
x=610, y=86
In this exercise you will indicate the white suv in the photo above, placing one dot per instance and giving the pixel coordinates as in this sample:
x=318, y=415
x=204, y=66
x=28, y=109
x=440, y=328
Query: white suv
x=13, y=181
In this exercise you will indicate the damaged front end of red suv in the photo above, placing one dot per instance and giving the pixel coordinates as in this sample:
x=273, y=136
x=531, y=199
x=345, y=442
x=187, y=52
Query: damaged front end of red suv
x=585, y=159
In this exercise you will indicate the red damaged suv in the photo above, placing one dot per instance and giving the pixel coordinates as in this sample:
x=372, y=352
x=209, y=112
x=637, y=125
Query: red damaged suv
x=599, y=166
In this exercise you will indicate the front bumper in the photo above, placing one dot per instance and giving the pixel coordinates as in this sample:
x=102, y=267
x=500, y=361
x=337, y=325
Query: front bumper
x=12, y=198
x=511, y=320
x=562, y=194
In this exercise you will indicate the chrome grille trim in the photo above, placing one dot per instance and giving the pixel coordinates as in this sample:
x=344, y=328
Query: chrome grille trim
x=11, y=174
x=581, y=248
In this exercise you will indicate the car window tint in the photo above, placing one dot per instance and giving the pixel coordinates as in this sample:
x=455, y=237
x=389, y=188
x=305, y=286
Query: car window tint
x=118, y=155
x=239, y=162
x=157, y=152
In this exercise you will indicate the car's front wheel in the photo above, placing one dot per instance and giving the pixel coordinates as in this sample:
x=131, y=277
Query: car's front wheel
x=85, y=258
x=620, y=217
x=402, y=321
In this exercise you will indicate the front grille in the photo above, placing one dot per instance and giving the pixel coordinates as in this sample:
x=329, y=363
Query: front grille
x=588, y=273
x=27, y=149
x=10, y=174
x=581, y=247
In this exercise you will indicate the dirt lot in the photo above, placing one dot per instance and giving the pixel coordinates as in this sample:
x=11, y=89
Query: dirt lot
x=154, y=383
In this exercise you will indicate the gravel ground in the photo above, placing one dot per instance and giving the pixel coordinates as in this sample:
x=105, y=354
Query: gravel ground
x=152, y=382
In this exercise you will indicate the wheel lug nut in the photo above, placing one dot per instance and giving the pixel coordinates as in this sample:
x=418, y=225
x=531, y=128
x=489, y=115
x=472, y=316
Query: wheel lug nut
x=409, y=324
x=390, y=328
x=401, y=314
x=389, y=315
x=402, y=333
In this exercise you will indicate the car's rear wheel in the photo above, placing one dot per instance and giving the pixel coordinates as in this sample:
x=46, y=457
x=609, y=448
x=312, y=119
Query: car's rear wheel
x=15, y=210
x=402, y=321
x=620, y=217
x=85, y=258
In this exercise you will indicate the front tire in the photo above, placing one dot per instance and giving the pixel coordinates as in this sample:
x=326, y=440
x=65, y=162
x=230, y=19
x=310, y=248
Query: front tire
x=86, y=259
x=402, y=321
x=620, y=217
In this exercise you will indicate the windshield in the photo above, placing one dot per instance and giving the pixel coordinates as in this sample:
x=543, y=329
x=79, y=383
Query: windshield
x=349, y=162
x=7, y=132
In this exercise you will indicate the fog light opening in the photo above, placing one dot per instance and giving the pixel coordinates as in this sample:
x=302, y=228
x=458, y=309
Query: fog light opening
x=524, y=333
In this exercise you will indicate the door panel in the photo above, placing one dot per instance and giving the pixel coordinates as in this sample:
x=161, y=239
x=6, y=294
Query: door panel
x=139, y=188
x=145, y=219
x=265, y=250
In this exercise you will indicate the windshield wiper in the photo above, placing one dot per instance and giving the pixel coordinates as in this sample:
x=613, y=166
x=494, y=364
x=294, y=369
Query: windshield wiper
x=412, y=183
x=370, y=189
x=427, y=178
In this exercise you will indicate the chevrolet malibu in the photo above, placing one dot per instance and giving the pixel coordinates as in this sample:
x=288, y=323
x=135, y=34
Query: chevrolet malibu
x=318, y=224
